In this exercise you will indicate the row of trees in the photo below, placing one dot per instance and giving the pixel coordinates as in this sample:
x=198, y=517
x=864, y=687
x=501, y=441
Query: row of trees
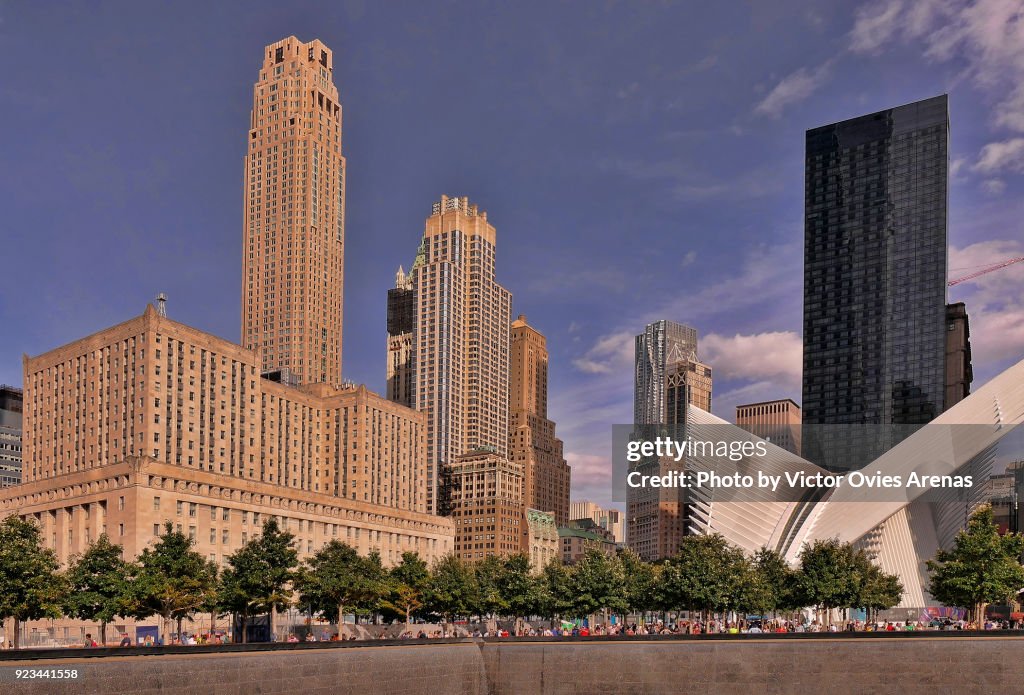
x=708, y=576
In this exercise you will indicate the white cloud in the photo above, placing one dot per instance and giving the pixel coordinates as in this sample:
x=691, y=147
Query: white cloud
x=777, y=355
x=793, y=89
x=611, y=353
x=995, y=303
x=768, y=276
x=1001, y=156
x=986, y=36
x=993, y=186
x=874, y=26
x=955, y=167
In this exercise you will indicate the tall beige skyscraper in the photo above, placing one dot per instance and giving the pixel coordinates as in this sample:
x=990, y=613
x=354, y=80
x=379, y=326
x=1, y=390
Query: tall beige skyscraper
x=460, y=353
x=293, y=248
x=532, y=439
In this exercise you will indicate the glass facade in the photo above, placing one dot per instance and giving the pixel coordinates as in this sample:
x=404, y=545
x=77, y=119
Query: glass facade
x=662, y=343
x=875, y=238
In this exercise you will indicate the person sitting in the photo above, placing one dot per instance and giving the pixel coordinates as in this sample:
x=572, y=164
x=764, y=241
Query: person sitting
x=126, y=641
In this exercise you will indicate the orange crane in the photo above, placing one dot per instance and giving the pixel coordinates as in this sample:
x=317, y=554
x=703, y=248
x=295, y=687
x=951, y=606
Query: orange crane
x=985, y=270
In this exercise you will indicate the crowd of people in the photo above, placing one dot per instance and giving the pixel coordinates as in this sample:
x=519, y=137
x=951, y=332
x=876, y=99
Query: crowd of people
x=685, y=627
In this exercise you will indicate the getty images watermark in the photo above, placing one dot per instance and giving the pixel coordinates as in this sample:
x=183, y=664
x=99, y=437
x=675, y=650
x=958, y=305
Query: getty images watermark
x=726, y=463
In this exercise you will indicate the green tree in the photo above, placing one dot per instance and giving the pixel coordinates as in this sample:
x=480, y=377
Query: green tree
x=174, y=581
x=490, y=599
x=378, y=582
x=771, y=583
x=878, y=591
x=982, y=568
x=596, y=584
x=707, y=574
x=259, y=576
x=408, y=582
x=337, y=578
x=555, y=598
x=99, y=583
x=451, y=590
x=639, y=582
x=520, y=587
x=830, y=576
x=30, y=585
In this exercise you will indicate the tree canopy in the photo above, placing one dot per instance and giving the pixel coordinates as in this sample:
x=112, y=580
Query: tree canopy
x=983, y=566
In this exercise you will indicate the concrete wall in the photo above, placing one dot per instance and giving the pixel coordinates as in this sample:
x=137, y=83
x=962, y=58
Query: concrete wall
x=419, y=669
x=905, y=665
x=909, y=666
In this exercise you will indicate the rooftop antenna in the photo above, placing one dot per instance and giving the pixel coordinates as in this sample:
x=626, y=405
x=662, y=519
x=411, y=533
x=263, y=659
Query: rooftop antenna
x=161, y=304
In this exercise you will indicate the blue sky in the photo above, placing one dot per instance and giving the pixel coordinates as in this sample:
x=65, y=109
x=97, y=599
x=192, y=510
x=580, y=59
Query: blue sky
x=639, y=161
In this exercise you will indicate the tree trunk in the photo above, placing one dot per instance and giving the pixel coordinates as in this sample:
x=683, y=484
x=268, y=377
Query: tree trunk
x=243, y=622
x=180, y=640
x=103, y=633
x=273, y=615
x=341, y=619
x=407, y=614
x=17, y=634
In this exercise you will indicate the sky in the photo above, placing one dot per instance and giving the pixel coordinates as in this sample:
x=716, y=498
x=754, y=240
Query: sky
x=639, y=161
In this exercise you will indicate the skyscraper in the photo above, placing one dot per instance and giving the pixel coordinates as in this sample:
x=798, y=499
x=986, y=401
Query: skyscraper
x=668, y=379
x=293, y=247
x=460, y=349
x=532, y=439
x=959, y=367
x=401, y=320
x=10, y=435
x=875, y=272
x=661, y=344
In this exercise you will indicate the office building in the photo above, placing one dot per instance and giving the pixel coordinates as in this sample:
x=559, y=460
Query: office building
x=662, y=343
x=608, y=519
x=460, y=342
x=401, y=320
x=293, y=247
x=487, y=505
x=577, y=540
x=532, y=440
x=540, y=538
x=152, y=421
x=875, y=232
x=776, y=421
x=10, y=435
x=687, y=382
x=668, y=378
x=959, y=371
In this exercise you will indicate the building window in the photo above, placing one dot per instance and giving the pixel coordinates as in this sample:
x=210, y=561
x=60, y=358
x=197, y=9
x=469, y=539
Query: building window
x=156, y=504
x=120, y=503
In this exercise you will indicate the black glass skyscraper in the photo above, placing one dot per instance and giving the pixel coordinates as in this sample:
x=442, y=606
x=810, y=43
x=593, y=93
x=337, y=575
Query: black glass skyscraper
x=875, y=270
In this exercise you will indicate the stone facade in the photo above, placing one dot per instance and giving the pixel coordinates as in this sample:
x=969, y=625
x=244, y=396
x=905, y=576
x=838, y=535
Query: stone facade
x=540, y=538
x=293, y=247
x=532, y=440
x=460, y=346
x=152, y=421
x=487, y=505
x=777, y=421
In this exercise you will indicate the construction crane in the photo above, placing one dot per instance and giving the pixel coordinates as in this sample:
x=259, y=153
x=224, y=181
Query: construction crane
x=985, y=270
